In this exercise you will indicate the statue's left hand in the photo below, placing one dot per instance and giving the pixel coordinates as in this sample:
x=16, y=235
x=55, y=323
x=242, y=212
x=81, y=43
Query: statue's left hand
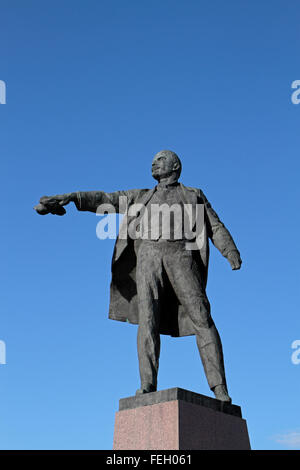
x=234, y=259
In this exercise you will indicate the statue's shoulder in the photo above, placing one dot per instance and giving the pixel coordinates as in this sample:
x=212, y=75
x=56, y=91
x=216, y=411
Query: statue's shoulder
x=198, y=191
x=137, y=192
x=144, y=192
x=135, y=195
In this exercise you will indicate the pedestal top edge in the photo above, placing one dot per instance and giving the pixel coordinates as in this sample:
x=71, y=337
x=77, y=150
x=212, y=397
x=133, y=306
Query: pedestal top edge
x=172, y=394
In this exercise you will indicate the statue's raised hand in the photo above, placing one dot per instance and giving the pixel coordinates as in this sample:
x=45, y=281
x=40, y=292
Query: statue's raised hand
x=53, y=204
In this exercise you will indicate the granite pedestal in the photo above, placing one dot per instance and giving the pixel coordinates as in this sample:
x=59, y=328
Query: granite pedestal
x=177, y=419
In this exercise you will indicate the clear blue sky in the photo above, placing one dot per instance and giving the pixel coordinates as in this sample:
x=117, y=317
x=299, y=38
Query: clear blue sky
x=94, y=90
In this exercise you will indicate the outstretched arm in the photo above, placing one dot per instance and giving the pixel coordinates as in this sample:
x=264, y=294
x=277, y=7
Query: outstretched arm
x=220, y=236
x=93, y=201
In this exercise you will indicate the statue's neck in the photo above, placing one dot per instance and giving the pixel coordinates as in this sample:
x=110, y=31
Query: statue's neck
x=168, y=180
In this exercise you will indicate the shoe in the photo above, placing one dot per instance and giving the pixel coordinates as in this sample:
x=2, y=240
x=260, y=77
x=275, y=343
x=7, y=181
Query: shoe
x=221, y=393
x=147, y=389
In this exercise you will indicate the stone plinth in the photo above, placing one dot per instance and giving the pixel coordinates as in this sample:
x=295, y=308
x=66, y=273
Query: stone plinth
x=177, y=419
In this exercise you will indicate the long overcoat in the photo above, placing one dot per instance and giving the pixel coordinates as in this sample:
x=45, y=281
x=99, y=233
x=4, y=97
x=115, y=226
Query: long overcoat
x=123, y=293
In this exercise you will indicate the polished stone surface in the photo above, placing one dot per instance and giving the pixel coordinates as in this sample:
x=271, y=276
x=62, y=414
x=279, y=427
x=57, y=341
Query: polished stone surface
x=177, y=419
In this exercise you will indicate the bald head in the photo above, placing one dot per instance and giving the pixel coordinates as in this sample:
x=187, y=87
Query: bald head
x=166, y=163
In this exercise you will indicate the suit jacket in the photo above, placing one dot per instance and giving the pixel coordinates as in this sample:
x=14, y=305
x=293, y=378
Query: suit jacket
x=123, y=294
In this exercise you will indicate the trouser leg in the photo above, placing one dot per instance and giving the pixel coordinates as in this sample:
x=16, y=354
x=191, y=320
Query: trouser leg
x=148, y=344
x=149, y=287
x=211, y=353
x=184, y=275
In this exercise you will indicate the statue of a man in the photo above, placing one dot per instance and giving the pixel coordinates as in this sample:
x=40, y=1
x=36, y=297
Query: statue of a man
x=158, y=280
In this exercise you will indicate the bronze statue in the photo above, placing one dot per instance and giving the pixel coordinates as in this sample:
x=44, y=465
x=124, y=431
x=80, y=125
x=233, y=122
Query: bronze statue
x=158, y=280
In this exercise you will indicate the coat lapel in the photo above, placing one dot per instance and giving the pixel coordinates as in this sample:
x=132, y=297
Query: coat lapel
x=190, y=198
